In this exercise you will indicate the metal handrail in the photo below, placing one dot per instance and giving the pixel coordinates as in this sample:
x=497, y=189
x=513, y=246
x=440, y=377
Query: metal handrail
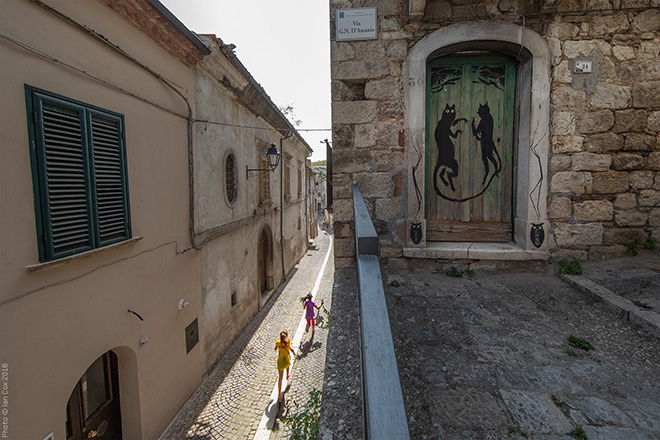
x=384, y=412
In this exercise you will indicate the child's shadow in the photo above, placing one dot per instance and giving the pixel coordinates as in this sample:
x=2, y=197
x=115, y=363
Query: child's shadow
x=309, y=347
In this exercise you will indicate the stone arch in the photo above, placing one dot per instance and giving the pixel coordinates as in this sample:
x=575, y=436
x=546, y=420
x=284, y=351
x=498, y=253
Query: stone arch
x=532, y=139
x=265, y=258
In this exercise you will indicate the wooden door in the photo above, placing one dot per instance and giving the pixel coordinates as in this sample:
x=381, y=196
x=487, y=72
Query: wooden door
x=93, y=410
x=469, y=148
x=263, y=260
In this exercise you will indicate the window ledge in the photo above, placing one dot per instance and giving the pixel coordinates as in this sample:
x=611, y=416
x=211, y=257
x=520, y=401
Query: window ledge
x=76, y=257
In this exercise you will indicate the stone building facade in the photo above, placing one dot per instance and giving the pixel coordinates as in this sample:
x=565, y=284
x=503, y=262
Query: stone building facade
x=585, y=143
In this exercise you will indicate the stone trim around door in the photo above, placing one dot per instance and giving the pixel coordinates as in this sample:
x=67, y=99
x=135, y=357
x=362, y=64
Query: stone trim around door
x=532, y=100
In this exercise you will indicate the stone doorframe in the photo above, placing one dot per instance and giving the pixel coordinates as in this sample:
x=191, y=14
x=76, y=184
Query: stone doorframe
x=530, y=172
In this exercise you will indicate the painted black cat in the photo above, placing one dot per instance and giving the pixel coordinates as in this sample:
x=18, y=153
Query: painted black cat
x=447, y=164
x=484, y=134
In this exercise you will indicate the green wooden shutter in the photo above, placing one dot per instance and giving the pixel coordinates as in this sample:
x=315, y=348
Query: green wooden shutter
x=79, y=174
x=109, y=178
x=67, y=224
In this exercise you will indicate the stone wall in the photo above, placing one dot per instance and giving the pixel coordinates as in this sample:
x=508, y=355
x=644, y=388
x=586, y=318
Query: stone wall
x=604, y=164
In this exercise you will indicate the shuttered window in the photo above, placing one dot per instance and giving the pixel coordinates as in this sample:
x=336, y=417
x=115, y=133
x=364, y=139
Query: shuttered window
x=79, y=175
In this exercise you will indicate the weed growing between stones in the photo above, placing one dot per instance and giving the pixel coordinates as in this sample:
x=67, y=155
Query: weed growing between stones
x=574, y=267
x=515, y=430
x=580, y=343
x=560, y=404
x=578, y=433
x=642, y=305
x=633, y=246
x=304, y=423
x=455, y=273
x=651, y=243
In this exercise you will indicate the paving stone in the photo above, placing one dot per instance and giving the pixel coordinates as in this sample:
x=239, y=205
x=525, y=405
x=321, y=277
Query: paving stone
x=535, y=412
x=616, y=433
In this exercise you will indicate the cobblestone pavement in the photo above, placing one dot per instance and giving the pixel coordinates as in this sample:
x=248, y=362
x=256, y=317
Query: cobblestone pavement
x=489, y=357
x=234, y=397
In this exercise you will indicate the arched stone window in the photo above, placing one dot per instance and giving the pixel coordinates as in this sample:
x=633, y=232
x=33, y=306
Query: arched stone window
x=231, y=181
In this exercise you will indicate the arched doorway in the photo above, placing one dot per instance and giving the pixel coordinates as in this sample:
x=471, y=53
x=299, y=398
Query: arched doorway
x=93, y=410
x=530, y=56
x=265, y=260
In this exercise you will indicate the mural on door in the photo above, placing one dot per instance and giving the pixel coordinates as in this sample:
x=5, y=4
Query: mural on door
x=470, y=113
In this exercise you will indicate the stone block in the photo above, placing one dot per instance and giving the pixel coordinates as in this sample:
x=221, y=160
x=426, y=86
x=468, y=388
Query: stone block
x=593, y=210
x=630, y=218
x=563, y=123
x=388, y=209
x=653, y=121
x=607, y=25
x=397, y=50
x=352, y=161
x=569, y=254
x=562, y=30
x=555, y=50
x=559, y=208
x=375, y=185
x=342, y=51
x=646, y=21
x=535, y=412
x=627, y=161
x=561, y=73
x=392, y=109
x=342, y=230
x=382, y=88
x=623, y=53
x=343, y=136
x=625, y=201
x=353, y=112
x=649, y=198
x=577, y=48
x=560, y=162
x=343, y=210
x=654, y=217
x=648, y=50
x=389, y=25
x=642, y=180
x=639, y=142
x=566, y=144
x=611, y=96
x=565, y=97
x=389, y=160
x=344, y=248
x=577, y=235
x=606, y=252
x=355, y=70
x=612, y=236
x=566, y=182
x=610, y=182
x=397, y=179
x=629, y=120
x=603, y=142
x=654, y=161
x=591, y=162
x=646, y=94
x=377, y=134
x=594, y=122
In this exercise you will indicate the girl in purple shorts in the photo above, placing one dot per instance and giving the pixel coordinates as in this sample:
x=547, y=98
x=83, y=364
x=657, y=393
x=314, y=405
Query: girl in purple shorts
x=309, y=307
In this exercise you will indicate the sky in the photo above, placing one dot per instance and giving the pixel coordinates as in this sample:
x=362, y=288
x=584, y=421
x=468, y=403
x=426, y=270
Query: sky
x=284, y=44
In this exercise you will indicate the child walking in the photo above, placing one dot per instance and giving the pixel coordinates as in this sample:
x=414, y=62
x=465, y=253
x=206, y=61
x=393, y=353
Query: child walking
x=283, y=344
x=310, y=305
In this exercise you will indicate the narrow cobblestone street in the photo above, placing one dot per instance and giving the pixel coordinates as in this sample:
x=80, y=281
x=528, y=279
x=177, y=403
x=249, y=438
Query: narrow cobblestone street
x=236, y=400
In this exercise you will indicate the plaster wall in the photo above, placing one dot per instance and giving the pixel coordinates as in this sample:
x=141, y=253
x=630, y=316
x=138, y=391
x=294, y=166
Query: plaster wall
x=230, y=230
x=58, y=319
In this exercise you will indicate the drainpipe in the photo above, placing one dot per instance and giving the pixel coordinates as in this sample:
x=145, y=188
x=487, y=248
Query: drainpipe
x=282, y=203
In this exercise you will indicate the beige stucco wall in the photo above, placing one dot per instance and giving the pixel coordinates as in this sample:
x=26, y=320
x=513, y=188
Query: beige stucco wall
x=56, y=321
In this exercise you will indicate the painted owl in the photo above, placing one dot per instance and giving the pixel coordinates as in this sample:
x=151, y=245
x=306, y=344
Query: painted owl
x=416, y=232
x=536, y=234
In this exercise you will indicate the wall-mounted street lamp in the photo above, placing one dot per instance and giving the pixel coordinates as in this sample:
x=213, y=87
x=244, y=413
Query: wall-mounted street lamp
x=273, y=156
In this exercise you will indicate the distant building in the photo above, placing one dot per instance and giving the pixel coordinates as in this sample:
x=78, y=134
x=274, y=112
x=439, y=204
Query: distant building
x=135, y=245
x=504, y=130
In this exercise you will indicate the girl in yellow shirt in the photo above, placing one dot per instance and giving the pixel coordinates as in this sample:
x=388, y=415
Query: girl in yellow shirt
x=283, y=360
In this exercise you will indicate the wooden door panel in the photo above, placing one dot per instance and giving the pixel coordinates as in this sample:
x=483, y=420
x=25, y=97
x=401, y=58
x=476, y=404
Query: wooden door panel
x=469, y=167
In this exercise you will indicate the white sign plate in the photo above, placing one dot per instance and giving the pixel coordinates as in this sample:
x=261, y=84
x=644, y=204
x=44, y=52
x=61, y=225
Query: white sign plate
x=357, y=24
